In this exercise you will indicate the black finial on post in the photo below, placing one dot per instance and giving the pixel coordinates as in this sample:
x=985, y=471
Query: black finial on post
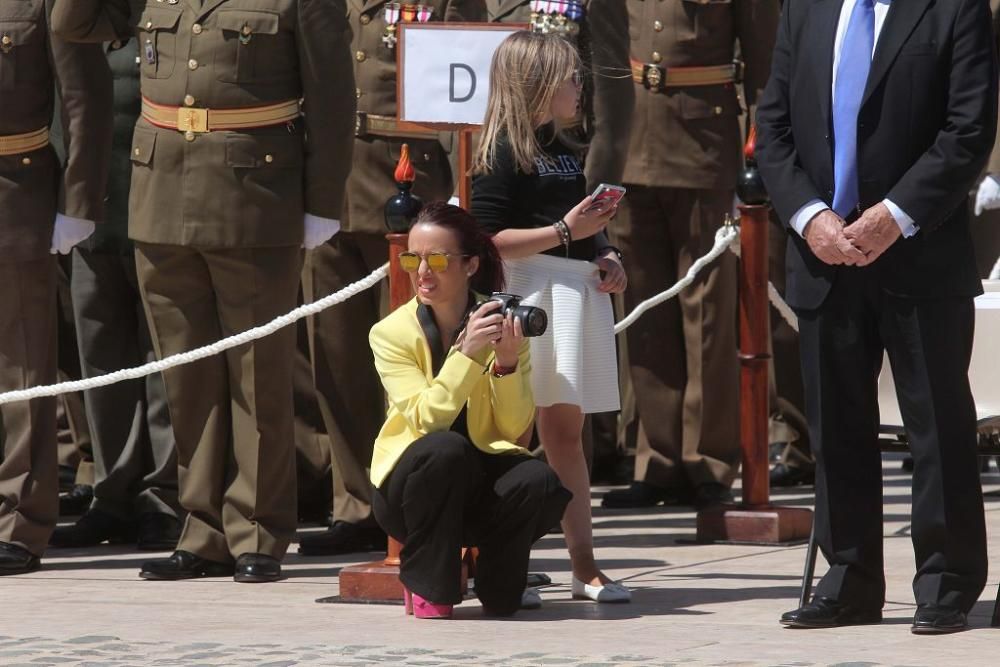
x=749, y=185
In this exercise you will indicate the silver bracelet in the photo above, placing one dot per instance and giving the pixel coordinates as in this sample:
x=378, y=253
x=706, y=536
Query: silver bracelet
x=565, y=238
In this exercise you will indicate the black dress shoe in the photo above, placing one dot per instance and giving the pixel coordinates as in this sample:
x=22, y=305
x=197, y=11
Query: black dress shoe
x=76, y=501
x=829, y=613
x=17, y=560
x=712, y=494
x=256, y=569
x=932, y=619
x=638, y=494
x=343, y=538
x=184, y=565
x=787, y=476
x=157, y=532
x=91, y=529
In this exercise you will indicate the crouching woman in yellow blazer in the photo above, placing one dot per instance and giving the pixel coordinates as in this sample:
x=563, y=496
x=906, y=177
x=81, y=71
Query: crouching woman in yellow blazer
x=446, y=470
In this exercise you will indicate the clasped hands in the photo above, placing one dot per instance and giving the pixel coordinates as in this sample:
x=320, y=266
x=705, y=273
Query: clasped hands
x=859, y=244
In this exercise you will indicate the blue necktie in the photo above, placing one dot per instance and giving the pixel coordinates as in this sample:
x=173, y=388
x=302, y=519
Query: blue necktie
x=852, y=74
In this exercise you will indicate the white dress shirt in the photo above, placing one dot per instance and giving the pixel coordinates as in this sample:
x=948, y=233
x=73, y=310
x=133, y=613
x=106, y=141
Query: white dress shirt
x=813, y=207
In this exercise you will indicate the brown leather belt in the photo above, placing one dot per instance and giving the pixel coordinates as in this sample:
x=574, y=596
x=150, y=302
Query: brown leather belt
x=369, y=124
x=13, y=144
x=657, y=78
x=192, y=120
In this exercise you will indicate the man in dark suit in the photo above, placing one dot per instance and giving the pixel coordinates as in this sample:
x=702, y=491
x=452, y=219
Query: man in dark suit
x=876, y=122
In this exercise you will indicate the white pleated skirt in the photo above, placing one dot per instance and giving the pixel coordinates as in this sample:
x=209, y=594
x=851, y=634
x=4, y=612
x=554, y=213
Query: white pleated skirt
x=575, y=360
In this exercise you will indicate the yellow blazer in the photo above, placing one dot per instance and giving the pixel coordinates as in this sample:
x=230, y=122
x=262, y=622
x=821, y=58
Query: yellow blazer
x=420, y=403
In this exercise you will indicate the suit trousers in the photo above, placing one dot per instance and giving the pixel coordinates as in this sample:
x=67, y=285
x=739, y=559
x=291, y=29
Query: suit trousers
x=29, y=478
x=135, y=456
x=444, y=494
x=231, y=413
x=682, y=354
x=929, y=345
x=348, y=389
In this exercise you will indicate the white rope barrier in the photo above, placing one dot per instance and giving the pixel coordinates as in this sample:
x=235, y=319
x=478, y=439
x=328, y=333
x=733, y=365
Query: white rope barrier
x=202, y=352
x=726, y=235
x=995, y=273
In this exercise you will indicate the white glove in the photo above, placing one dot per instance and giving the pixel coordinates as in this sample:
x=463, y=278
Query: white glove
x=988, y=196
x=68, y=232
x=319, y=230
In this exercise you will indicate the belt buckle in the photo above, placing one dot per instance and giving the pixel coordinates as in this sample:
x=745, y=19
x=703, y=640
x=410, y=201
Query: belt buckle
x=360, y=124
x=652, y=77
x=192, y=120
x=739, y=67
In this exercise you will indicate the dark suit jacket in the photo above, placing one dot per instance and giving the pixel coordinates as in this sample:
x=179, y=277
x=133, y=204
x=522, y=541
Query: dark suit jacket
x=925, y=129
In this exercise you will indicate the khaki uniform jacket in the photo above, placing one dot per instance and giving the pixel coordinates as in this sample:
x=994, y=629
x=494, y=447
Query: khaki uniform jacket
x=690, y=136
x=226, y=188
x=613, y=96
x=994, y=164
x=32, y=185
x=375, y=74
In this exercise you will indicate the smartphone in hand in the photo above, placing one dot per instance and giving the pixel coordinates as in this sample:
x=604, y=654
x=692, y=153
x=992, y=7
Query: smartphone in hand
x=604, y=198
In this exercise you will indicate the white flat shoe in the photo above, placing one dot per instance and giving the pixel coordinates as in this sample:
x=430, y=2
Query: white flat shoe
x=531, y=599
x=609, y=592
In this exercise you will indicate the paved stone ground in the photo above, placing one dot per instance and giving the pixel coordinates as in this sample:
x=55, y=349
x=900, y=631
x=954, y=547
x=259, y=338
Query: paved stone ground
x=694, y=605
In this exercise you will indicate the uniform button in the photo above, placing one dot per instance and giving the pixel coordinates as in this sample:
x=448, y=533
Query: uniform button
x=115, y=45
x=365, y=19
x=192, y=64
x=26, y=161
x=269, y=158
x=136, y=152
x=360, y=56
x=247, y=31
x=427, y=157
x=189, y=100
x=358, y=93
x=657, y=57
x=717, y=111
x=149, y=25
x=189, y=135
x=196, y=28
x=658, y=25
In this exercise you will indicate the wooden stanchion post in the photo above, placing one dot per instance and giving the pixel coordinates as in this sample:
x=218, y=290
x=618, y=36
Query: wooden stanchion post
x=754, y=520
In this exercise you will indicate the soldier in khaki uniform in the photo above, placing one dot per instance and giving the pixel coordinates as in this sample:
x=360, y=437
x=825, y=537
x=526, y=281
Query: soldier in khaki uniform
x=348, y=389
x=682, y=166
x=229, y=178
x=44, y=209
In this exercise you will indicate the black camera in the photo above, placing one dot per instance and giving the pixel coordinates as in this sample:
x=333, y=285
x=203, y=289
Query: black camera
x=534, y=321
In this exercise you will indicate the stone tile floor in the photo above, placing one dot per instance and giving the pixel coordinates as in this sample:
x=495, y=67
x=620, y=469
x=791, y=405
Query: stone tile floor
x=694, y=604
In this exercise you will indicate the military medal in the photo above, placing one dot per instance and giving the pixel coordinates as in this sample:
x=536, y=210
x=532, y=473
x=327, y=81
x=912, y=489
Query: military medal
x=558, y=17
x=246, y=34
x=150, y=52
x=396, y=13
x=6, y=44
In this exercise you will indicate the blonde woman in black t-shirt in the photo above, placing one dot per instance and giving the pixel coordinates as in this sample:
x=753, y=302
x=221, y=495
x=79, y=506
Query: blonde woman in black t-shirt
x=530, y=192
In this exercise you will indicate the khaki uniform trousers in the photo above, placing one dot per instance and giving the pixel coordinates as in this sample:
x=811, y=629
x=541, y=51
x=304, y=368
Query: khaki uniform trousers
x=348, y=389
x=231, y=413
x=135, y=456
x=29, y=481
x=682, y=354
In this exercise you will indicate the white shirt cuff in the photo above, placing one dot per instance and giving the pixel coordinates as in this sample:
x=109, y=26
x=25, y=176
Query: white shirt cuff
x=906, y=224
x=802, y=217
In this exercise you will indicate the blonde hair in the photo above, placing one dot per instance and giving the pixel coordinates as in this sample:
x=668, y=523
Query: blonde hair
x=527, y=70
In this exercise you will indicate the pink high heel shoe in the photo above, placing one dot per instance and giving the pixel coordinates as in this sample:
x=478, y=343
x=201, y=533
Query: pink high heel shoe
x=421, y=608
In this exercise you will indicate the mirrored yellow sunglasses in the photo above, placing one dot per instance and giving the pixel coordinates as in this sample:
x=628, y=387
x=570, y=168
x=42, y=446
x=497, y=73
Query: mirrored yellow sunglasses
x=436, y=261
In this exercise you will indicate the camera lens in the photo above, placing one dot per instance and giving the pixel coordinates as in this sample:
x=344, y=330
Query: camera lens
x=534, y=321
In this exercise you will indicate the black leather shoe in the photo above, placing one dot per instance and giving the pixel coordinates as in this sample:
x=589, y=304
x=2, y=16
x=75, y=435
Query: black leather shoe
x=932, y=619
x=257, y=569
x=712, y=494
x=829, y=613
x=184, y=565
x=343, y=538
x=786, y=476
x=91, y=529
x=76, y=501
x=638, y=494
x=157, y=532
x=17, y=560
